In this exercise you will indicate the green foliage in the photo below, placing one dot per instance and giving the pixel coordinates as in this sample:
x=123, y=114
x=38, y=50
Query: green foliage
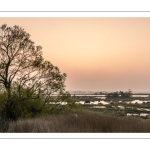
x=23, y=106
x=19, y=107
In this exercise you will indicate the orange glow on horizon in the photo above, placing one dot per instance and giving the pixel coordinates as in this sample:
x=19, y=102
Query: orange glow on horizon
x=96, y=53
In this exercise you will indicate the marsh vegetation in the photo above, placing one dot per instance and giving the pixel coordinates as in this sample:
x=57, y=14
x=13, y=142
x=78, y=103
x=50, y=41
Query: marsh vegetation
x=85, y=122
x=33, y=96
x=118, y=116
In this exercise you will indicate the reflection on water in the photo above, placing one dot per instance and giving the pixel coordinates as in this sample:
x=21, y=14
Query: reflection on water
x=144, y=114
x=104, y=96
x=121, y=107
x=101, y=97
x=80, y=102
x=89, y=95
x=130, y=114
x=94, y=102
x=140, y=95
x=143, y=109
x=137, y=102
x=98, y=107
x=54, y=102
x=62, y=103
x=104, y=103
x=141, y=114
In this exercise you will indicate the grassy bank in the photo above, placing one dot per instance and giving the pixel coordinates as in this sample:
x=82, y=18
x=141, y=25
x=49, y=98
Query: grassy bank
x=85, y=122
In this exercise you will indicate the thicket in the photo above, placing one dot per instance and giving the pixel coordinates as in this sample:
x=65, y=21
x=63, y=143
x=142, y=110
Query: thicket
x=119, y=94
x=19, y=108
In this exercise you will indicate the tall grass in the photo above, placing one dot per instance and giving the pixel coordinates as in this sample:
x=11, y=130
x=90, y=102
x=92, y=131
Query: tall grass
x=80, y=123
x=4, y=124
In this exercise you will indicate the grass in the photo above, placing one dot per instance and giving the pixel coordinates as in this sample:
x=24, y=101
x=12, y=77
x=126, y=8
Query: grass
x=4, y=125
x=111, y=119
x=85, y=122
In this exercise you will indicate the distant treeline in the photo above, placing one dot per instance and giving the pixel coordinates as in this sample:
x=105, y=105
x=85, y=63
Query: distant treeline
x=119, y=94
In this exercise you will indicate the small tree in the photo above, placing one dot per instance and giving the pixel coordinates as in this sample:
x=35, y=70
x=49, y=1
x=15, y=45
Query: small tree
x=24, y=74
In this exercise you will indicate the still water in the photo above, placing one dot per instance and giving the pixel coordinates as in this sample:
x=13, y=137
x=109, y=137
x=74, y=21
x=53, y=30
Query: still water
x=104, y=96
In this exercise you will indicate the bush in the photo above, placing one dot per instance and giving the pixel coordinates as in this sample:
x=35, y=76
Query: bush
x=26, y=107
x=120, y=94
x=15, y=108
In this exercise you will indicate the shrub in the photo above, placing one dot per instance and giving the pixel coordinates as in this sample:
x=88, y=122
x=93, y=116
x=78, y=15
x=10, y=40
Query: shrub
x=26, y=107
x=120, y=94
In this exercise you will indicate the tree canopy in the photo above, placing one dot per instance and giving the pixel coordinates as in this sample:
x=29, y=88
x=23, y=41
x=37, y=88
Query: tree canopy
x=23, y=69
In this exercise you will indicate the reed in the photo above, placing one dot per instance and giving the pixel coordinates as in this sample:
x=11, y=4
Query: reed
x=85, y=122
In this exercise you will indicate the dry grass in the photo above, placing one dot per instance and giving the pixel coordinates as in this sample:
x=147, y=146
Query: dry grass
x=4, y=124
x=80, y=123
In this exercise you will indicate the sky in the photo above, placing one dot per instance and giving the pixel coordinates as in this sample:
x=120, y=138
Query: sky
x=97, y=54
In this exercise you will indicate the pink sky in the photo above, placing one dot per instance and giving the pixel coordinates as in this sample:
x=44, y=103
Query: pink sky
x=98, y=54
